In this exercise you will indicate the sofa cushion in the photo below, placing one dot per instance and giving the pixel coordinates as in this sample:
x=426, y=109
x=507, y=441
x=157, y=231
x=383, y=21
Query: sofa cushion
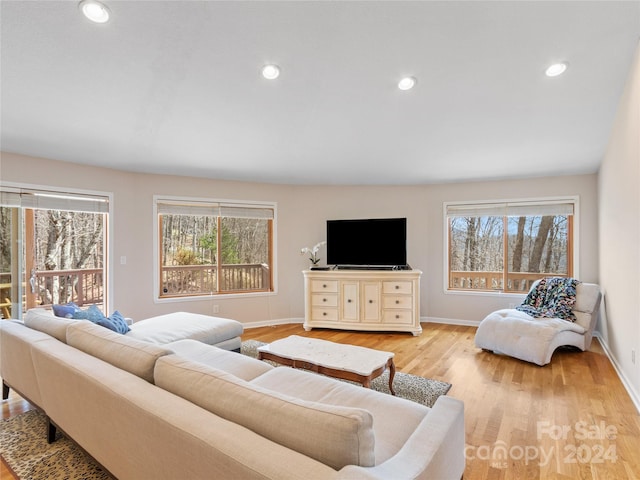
x=241, y=366
x=134, y=356
x=16, y=365
x=45, y=321
x=394, y=419
x=181, y=325
x=334, y=435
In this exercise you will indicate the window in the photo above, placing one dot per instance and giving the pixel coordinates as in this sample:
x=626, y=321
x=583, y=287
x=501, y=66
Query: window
x=505, y=247
x=53, y=248
x=213, y=247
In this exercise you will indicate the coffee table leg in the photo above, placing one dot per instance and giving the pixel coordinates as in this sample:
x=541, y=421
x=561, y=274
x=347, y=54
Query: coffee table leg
x=392, y=373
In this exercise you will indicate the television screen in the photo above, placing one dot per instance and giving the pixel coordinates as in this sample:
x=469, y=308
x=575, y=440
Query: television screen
x=367, y=242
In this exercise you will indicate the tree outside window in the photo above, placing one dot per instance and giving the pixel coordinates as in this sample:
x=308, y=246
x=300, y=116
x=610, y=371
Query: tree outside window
x=508, y=252
x=214, y=248
x=53, y=248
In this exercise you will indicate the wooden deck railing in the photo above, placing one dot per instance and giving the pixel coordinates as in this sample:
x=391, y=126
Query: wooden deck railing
x=203, y=279
x=86, y=286
x=517, y=282
x=47, y=287
x=81, y=286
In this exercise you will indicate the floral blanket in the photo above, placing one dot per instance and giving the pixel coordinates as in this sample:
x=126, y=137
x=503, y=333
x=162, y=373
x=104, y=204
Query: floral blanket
x=552, y=297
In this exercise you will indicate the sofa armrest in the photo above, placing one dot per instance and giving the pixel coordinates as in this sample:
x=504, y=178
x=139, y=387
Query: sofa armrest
x=435, y=450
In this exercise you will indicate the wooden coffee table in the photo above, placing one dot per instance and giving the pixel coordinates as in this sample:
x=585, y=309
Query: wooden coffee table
x=347, y=362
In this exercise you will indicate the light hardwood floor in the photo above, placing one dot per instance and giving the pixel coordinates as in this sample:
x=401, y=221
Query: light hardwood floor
x=570, y=419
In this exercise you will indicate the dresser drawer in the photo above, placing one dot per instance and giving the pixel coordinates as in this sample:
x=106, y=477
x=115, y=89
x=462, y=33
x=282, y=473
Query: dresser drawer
x=324, y=286
x=402, y=317
x=324, y=314
x=324, y=300
x=397, y=301
x=397, y=287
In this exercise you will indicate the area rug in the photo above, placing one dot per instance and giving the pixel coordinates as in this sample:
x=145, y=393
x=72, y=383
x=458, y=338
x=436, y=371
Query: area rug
x=24, y=447
x=418, y=389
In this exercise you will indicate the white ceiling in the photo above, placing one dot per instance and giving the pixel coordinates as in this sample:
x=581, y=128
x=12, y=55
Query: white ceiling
x=175, y=87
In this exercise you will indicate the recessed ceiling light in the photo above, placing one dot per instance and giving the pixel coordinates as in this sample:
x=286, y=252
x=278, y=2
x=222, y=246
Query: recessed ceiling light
x=556, y=69
x=94, y=11
x=407, y=83
x=270, y=72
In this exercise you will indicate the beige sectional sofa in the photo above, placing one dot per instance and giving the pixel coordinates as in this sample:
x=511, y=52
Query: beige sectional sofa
x=190, y=410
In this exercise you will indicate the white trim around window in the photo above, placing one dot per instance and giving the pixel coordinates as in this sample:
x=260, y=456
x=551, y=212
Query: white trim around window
x=210, y=206
x=561, y=205
x=59, y=198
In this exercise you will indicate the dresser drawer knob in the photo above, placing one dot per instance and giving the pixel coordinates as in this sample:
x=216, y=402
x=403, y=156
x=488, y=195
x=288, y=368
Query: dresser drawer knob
x=324, y=299
x=324, y=314
x=397, y=316
x=397, y=302
x=397, y=287
x=349, y=300
x=370, y=301
x=324, y=285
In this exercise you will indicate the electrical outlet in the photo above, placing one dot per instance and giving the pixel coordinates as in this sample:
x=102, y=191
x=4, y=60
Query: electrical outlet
x=216, y=309
x=633, y=357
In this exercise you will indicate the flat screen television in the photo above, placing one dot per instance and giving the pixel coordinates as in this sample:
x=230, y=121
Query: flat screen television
x=374, y=242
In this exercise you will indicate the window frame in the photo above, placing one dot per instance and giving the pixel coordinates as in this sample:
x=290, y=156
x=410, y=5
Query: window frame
x=205, y=201
x=61, y=198
x=535, y=201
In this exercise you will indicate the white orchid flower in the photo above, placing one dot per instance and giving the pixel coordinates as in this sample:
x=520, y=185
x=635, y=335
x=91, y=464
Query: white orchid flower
x=313, y=252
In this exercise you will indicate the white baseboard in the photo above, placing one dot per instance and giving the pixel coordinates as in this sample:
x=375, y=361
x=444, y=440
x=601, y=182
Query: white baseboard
x=635, y=398
x=273, y=323
x=286, y=321
x=450, y=321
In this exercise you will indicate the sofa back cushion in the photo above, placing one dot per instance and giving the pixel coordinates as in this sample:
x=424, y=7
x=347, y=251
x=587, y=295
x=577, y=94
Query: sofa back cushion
x=134, y=356
x=16, y=364
x=336, y=436
x=45, y=321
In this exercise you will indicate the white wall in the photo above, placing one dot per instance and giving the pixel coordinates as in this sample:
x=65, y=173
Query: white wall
x=302, y=213
x=619, y=210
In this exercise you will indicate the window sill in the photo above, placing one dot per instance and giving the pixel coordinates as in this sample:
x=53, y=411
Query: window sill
x=485, y=293
x=201, y=298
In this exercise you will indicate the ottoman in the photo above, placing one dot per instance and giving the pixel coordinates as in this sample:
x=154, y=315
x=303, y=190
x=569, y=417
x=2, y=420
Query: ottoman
x=220, y=332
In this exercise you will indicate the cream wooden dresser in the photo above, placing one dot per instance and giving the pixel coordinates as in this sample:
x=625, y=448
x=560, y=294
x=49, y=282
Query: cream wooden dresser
x=372, y=300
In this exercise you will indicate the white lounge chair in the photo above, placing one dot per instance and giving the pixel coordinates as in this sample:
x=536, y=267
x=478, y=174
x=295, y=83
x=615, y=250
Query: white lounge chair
x=517, y=334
